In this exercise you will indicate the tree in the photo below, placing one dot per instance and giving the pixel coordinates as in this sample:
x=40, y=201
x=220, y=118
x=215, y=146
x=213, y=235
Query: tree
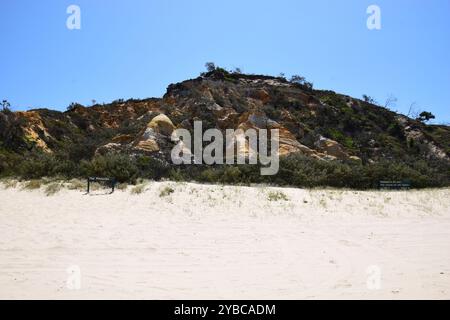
x=426, y=116
x=73, y=106
x=302, y=82
x=10, y=126
x=369, y=99
x=298, y=79
x=6, y=106
x=210, y=66
x=412, y=112
x=391, y=102
x=238, y=70
x=308, y=85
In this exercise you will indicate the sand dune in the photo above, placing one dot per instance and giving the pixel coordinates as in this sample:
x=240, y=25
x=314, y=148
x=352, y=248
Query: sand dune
x=214, y=242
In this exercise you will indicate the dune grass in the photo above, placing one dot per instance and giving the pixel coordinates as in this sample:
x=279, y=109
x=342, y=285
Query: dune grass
x=122, y=186
x=138, y=189
x=166, y=191
x=76, y=184
x=9, y=183
x=32, y=184
x=53, y=188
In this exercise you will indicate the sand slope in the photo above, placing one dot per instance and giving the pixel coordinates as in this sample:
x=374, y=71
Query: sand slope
x=213, y=242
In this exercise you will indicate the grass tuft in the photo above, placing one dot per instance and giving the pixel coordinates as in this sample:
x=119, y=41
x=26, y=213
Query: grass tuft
x=277, y=196
x=32, y=185
x=138, y=189
x=9, y=183
x=166, y=191
x=52, y=188
x=77, y=184
x=122, y=186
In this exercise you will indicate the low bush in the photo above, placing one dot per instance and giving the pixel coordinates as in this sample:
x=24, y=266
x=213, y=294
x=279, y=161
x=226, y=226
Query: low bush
x=295, y=170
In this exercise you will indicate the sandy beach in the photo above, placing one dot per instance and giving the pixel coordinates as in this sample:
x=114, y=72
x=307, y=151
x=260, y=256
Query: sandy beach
x=224, y=242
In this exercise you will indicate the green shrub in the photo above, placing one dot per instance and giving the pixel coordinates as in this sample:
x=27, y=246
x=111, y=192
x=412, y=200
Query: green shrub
x=118, y=166
x=151, y=168
x=231, y=174
x=209, y=175
x=295, y=170
x=177, y=175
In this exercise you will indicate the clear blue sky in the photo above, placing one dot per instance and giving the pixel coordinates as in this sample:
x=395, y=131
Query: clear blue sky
x=137, y=48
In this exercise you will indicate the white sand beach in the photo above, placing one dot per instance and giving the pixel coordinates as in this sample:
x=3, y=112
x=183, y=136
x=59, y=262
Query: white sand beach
x=224, y=242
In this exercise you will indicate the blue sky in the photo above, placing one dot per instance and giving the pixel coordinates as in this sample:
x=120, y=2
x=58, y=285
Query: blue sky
x=134, y=48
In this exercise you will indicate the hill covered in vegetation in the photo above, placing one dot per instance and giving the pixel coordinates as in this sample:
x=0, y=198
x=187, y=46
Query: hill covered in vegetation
x=326, y=138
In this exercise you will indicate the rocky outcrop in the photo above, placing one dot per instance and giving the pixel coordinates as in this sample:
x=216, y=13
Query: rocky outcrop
x=334, y=150
x=119, y=143
x=155, y=135
x=331, y=148
x=415, y=135
x=152, y=139
x=288, y=144
x=110, y=148
x=35, y=131
x=122, y=139
x=308, y=121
